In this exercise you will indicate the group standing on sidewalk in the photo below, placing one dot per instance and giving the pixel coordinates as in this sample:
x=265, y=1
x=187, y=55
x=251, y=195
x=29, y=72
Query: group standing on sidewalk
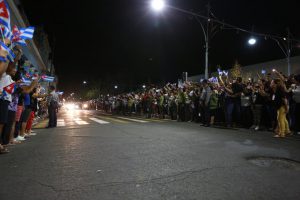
x=267, y=102
x=19, y=102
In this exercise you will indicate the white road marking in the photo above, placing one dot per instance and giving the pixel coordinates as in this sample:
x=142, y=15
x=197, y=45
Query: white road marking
x=134, y=120
x=61, y=123
x=80, y=122
x=99, y=121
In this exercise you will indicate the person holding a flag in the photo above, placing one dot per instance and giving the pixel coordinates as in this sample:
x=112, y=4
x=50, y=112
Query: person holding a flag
x=6, y=89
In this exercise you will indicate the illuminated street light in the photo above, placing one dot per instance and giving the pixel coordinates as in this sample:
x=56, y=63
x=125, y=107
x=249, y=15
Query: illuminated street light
x=144, y=86
x=116, y=87
x=84, y=82
x=252, y=41
x=158, y=5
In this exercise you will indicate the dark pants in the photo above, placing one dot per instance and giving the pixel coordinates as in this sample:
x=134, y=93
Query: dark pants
x=233, y=109
x=8, y=126
x=257, y=109
x=206, y=115
x=52, y=117
x=181, y=112
x=297, y=117
x=173, y=111
x=247, y=116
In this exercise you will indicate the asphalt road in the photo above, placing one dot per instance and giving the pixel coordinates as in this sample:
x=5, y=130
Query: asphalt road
x=101, y=157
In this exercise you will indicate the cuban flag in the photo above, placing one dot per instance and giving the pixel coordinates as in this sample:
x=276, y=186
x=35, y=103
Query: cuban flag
x=25, y=81
x=27, y=33
x=220, y=72
x=213, y=80
x=9, y=89
x=7, y=33
x=48, y=78
x=225, y=73
x=11, y=56
x=17, y=37
x=4, y=14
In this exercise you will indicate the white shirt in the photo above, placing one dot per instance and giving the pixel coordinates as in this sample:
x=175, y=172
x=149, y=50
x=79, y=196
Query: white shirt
x=5, y=80
x=296, y=94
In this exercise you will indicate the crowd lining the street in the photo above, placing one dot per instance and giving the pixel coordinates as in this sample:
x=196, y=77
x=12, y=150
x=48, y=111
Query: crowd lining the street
x=271, y=102
x=21, y=103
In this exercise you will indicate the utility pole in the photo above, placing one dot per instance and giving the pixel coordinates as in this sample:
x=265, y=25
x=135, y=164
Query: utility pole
x=207, y=41
x=288, y=53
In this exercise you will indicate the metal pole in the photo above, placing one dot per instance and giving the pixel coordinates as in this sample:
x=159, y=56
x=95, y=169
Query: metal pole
x=206, y=60
x=289, y=53
x=207, y=42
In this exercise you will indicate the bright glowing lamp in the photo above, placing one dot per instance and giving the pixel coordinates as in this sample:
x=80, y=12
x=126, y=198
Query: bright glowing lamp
x=157, y=5
x=252, y=41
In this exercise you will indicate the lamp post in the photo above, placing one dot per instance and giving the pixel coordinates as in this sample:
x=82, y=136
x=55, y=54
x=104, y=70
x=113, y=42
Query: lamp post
x=285, y=46
x=159, y=5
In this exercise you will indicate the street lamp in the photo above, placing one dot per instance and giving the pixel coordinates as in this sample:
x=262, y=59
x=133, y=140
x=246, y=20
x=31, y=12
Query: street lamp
x=158, y=5
x=116, y=87
x=284, y=45
x=84, y=82
x=252, y=41
x=144, y=86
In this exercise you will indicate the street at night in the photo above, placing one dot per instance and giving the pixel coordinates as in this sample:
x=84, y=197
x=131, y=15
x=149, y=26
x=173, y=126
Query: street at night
x=96, y=156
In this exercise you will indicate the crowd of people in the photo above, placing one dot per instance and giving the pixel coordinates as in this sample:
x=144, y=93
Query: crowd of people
x=21, y=102
x=271, y=102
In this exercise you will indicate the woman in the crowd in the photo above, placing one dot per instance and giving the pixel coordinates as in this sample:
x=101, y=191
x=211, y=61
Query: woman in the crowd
x=281, y=105
x=257, y=106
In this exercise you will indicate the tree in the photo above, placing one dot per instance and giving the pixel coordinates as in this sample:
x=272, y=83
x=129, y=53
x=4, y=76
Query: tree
x=236, y=70
x=92, y=93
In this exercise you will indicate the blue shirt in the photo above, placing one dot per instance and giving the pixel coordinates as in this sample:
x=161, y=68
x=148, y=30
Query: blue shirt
x=26, y=100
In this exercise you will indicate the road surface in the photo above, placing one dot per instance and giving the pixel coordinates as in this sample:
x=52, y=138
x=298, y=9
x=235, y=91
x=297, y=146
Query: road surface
x=102, y=157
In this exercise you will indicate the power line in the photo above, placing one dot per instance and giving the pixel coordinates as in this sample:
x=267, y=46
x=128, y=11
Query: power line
x=227, y=25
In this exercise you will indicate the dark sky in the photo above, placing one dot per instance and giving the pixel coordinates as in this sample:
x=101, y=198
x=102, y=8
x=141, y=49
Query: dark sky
x=124, y=41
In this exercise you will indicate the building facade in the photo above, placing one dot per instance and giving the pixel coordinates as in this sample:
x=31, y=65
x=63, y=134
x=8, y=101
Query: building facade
x=252, y=70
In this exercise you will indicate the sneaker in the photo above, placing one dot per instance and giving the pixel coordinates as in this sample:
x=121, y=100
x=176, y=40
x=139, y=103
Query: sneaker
x=256, y=128
x=32, y=134
x=20, y=138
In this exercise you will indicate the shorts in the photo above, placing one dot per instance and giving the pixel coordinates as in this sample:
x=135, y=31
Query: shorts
x=19, y=113
x=25, y=115
x=4, y=111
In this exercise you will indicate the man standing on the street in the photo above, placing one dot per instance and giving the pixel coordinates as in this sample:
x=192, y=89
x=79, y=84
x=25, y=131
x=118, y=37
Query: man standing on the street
x=52, y=107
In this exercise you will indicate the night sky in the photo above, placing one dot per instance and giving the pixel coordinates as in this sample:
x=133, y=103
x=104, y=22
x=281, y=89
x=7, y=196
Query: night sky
x=125, y=43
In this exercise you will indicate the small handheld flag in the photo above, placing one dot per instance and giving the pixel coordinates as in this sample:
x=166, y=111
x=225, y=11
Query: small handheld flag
x=220, y=72
x=25, y=81
x=27, y=33
x=9, y=89
x=17, y=37
x=48, y=78
x=225, y=73
x=11, y=56
x=7, y=33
